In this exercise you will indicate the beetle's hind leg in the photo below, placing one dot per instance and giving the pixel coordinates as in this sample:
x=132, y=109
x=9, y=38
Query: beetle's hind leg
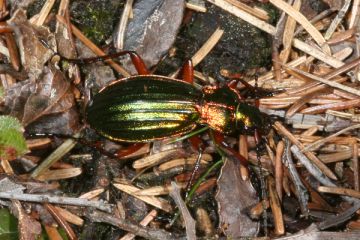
x=135, y=59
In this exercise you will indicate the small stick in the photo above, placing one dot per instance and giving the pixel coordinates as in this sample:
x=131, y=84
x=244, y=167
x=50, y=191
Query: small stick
x=207, y=47
x=325, y=81
x=244, y=151
x=55, y=156
x=276, y=208
x=344, y=68
x=279, y=168
x=301, y=19
x=253, y=11
x=301, y=191
x=119, y=39
x=126, y=225
x=339, y=218
x=44, y=12
x=154, y=201
x=339, y=37
x=42, y=198
x=195, y=7
x=7, y=167
x=288, y=35
x=339, y=191
x=329, y=138
x=189, y=221
x=264, y=26
x=147, y=219
x=13, y=51
x=336, y=21
x=355, y=160
x=313, y=169
x=354, y=17
x=70, y=217
x=333, y=106
x=92, y=194
x=310, y=155
x=318, y=17
x=62, y=222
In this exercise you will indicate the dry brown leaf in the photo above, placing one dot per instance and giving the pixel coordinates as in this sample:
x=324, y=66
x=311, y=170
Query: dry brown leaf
x=28, y=227
x=235, y=197
x=34, y=54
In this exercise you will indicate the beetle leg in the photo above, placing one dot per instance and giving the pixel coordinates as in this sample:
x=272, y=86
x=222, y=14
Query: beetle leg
x=187, y=72
x=219, y=139
x=138, y=63
x=135, y=59
x=129, y=150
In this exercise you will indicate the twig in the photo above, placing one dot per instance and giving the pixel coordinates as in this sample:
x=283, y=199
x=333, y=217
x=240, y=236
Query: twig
x=301, y=191
x=276, y=208
x=61, y=221
x=289, y=34
x=119, y=39
x=337, y=105
x=281, y=129
x=58, y=200
x=244, y=151
x=264, y=26
x=325, y=81
x=257, y=13
x=341, y=218
x=318, y=17
x=198, y=6
x=154, y=201
x=6, y=166
x=126, y=225
x=70, y=217
x=339, y=191
x=313, y=169
x=56, y=155
x=148, y=218
x=336, y=21
x=279, y=174
x=355, y=160
x=207, y=46
x=189, y=221
x=317, y=144
x=44, y=12
x=314, y=33
x=354, y=18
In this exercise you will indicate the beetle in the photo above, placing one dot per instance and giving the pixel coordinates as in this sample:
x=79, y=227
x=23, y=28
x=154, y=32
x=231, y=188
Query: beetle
x=147, y=107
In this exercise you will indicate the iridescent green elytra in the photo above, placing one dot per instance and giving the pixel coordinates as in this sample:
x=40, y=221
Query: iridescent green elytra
x=147, y=107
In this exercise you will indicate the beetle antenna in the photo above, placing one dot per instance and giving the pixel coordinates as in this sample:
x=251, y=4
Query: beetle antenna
x=195, y=170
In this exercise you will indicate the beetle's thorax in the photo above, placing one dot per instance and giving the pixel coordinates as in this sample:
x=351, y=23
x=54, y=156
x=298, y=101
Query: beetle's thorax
x=218, y=109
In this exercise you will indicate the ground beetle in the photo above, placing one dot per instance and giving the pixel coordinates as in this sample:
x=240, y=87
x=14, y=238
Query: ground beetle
x=148, y=107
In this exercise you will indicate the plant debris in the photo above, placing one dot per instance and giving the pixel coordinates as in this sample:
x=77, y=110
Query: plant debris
x=59, y=179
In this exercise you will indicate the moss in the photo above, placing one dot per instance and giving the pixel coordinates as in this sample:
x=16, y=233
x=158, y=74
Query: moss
x=97, y=18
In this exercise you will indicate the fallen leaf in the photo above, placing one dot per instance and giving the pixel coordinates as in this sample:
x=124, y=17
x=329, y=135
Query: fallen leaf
x=8, y=225
x=153, y=29
x=34, y=54
x=28, y=227
x=235, y=197
x=49, y=96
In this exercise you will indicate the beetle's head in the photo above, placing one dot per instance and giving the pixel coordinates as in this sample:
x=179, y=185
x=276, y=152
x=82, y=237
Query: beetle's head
x=249, y=118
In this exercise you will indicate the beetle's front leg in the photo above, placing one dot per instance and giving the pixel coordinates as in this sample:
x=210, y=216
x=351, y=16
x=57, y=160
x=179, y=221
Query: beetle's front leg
x=187, y=72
